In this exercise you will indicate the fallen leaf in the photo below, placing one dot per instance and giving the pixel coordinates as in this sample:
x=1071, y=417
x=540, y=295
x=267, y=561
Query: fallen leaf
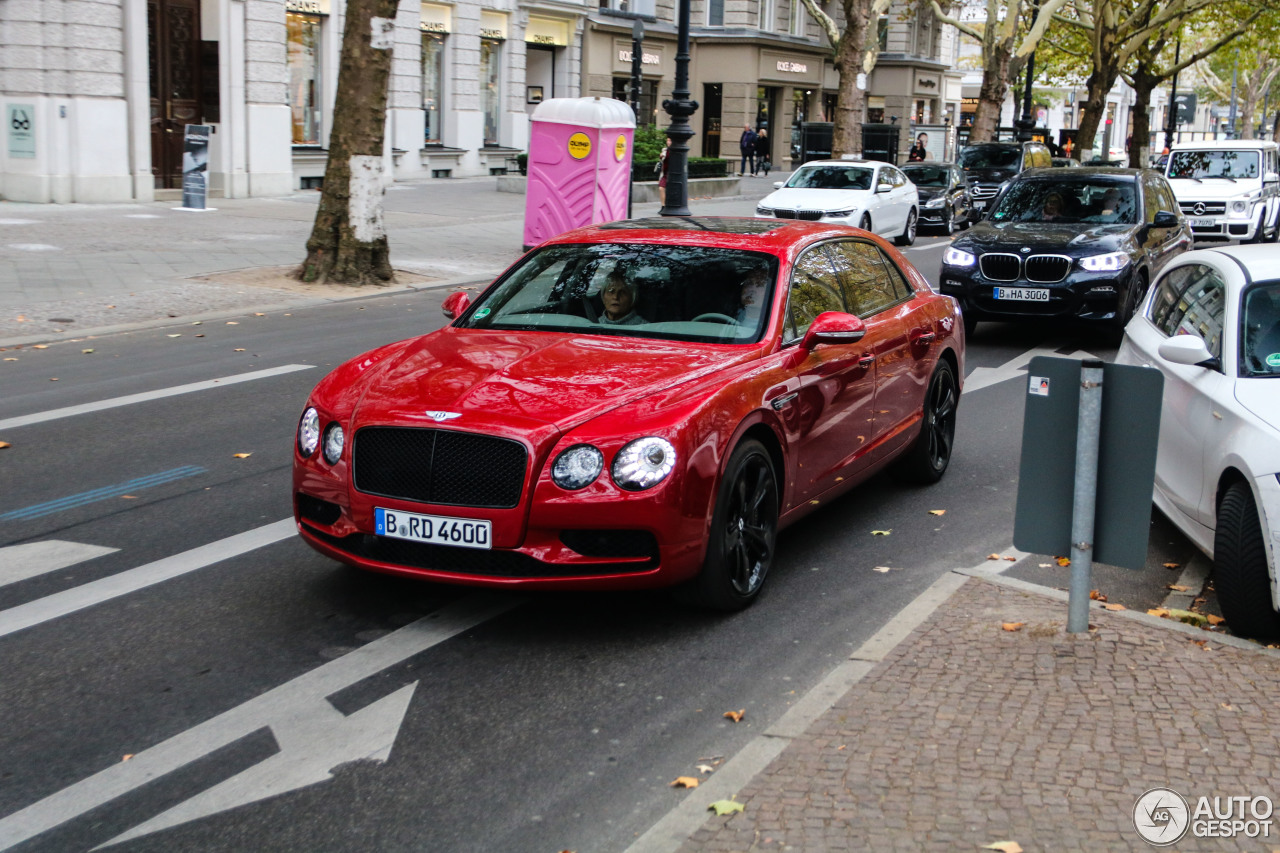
x=126, y=757
x=881, y=532
x=1094, y=595
x=41, y=346
x=200, y=336
x=1226, y=706
x=173, y=336
x=10, y=358
x=128, y=497
x=1214, y=620
x=724, y=807
x=198, y=323
x=1204, y=644
x=1010, y=559
x=736, y=716
x=841, y=747
x=86, y=351
x=1177, y=587
x=937, y=512
x=259, y=314
x=242, y=455
x=239, y=349
x=1063, y=561
x=705, y=768
x=1188, y=617
x=882, y=569
x=232, y=323
x=53, y=379
x=685, y=782
x=813, y=503
x=1158, y=611
x=1114, y=607
x=1045, y=565
x=1012, y=626
x=1004, y=846
x=4, y=444
x=1173, y=565
x=993, y=556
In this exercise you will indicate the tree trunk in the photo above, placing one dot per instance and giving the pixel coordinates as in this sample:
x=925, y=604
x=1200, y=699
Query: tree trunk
x=348, y=242
x=1140, y=145
x=995, y=85
x=846, y=136
x=1094, y=112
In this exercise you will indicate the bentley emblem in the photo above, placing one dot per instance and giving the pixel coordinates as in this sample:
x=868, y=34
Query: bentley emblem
x=440, y=417
x=1198, y=210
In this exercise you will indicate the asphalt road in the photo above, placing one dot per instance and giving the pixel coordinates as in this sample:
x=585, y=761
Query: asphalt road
x=192, y=688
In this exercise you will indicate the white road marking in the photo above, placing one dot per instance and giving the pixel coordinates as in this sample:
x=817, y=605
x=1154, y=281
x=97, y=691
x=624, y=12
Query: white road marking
x=69, y=601
x=32, y=559
x=983, y=377
x=296, y=712
x=85, y=408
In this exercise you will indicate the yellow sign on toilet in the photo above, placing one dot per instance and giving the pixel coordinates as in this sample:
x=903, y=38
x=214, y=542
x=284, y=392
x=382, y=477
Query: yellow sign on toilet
x=579, y=146
x=620, y=148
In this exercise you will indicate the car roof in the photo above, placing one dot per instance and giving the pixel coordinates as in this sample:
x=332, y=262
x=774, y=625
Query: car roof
x=849, y=162
x=1261, y=261
x=937, y=164
x=1226, y=144
x=1083, y=173
x=774, y=236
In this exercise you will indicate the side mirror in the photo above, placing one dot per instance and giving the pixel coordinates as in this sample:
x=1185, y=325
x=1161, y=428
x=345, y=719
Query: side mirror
x=1187, y=349
x=1165, y=219
x=833, y=327
x=1271, y=178
x=777, y=185
x=883, y=188
x=455, y=304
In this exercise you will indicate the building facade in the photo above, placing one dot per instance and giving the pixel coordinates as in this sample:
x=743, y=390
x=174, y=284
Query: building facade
x=97, y=93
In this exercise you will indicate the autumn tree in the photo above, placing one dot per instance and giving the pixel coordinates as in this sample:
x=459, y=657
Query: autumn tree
x=1008, y=30
x=854, y=49
x=1256, y=67
x=348, y=242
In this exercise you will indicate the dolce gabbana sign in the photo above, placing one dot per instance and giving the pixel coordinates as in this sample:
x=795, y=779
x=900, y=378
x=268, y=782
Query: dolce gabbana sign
x=645, y=58
x=792, y=67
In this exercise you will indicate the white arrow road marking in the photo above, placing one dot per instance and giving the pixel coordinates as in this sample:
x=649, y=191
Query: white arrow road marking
x=55, y=414
x=983, y=377
x=299, y=715
x=78, y=598
x=368, y=733
x=32, y=559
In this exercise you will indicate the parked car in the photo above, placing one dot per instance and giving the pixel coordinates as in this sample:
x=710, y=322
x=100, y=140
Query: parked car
x=944, y=195
x=866, y=194
x=639, y=404
x=1064, y=162
x=988, y=166
x=1212, y=326
x=1091, y=258
x=1229, y=188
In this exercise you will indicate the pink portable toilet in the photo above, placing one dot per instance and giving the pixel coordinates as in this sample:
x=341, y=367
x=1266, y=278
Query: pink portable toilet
x=579, y=165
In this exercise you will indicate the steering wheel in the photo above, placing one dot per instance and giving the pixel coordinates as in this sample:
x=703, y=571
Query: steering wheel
x=718, y=318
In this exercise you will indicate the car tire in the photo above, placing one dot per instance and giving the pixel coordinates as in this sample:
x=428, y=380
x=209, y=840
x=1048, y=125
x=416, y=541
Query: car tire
x=865, y=222
x=949, y=222
x=744, y=528
x=930, y=454
x=908, y=235
x=1132, y=299
x=1240, y=567
x=970, y=319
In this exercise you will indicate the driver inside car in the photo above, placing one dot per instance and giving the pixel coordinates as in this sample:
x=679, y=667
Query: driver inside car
x=751, y=297
x=619, y=298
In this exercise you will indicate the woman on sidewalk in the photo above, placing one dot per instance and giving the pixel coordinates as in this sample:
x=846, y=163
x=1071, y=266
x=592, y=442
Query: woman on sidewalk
x=762, y=152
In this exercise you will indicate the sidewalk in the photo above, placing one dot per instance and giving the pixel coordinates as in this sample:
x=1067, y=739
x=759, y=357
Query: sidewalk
x=71, y=270
x=964, y=734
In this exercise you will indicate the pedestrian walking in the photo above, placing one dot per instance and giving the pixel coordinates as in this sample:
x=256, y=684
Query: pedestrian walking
x=762, y=152
x=747, y=145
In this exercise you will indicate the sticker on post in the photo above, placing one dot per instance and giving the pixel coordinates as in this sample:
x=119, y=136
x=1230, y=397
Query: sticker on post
x=1039, y=386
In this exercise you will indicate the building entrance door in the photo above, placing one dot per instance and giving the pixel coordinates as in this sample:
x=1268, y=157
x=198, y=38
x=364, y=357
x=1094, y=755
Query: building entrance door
x=712, y=97
x=173, y=36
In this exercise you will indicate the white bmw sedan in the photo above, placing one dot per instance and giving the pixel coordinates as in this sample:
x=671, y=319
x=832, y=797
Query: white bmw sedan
x=1211, y=325
x=866, y=194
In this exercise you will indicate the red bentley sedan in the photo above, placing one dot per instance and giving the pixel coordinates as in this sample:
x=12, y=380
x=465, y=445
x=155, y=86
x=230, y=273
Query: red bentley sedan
x=638, y=404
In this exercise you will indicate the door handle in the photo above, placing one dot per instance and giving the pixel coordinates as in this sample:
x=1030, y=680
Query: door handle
x=866, y=361
x=923, y=338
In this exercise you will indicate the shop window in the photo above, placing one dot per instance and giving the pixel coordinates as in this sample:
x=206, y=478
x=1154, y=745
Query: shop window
x=432, y=85
x=491, y=87
x=305, y=94
x=648, y=98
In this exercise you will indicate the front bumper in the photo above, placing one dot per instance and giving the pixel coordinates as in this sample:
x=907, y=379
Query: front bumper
x=1224, y=227
x=1082, y=295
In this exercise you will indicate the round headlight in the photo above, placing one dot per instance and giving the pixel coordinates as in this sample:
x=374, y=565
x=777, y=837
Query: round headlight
x=309, y=432
x=577, y=467
x=643, y=463
x=333, y=440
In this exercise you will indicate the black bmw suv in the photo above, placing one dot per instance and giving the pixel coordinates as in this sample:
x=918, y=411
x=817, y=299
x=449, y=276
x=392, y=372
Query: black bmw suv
x=1079, y=243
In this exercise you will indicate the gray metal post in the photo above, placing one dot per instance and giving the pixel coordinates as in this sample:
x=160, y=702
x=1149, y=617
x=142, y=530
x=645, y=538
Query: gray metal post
x=1088, y=432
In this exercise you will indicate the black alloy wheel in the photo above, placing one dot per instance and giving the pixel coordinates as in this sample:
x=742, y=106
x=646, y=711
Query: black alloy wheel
x=744, y=529
x=1240, y=567
x=928, y=457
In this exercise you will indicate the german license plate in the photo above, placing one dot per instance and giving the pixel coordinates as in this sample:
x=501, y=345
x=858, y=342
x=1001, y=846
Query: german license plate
x=435, y=529
x=1023, y=294
x=979, y=205
x=1204, y=223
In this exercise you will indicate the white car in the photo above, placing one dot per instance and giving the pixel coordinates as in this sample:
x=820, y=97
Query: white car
x=866, y=194
x=1211, y=325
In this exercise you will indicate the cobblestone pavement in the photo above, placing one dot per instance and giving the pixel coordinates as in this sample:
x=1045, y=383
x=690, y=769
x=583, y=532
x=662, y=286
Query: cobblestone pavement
x=967, y=734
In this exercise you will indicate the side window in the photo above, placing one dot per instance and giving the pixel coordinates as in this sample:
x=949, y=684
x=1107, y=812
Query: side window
x=899, y=179
x=1192, y=301
x=1167, y=200
x=1150, y=199
x=885, y=179
x=814, y=289
x=868, y=281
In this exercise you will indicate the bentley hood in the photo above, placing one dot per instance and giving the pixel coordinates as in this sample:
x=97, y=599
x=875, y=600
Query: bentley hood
x=473, y=379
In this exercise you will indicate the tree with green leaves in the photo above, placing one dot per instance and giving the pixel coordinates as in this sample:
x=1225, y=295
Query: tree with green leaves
x=348, y=242
x=1255, y=65
x=1009, y=31
x=854, y=49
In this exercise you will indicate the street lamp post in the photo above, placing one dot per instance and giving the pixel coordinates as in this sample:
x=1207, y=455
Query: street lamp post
x=1171, y=125
x=637, y=48
x=1027, y=123
x=680, y=108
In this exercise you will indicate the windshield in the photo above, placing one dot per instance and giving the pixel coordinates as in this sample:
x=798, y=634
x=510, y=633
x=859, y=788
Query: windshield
x=990, y=157
x=1064, y=201
x=1198, y=165
x=926, y=176
x=1260, y=320
x=832, y=178
x=685, y=293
